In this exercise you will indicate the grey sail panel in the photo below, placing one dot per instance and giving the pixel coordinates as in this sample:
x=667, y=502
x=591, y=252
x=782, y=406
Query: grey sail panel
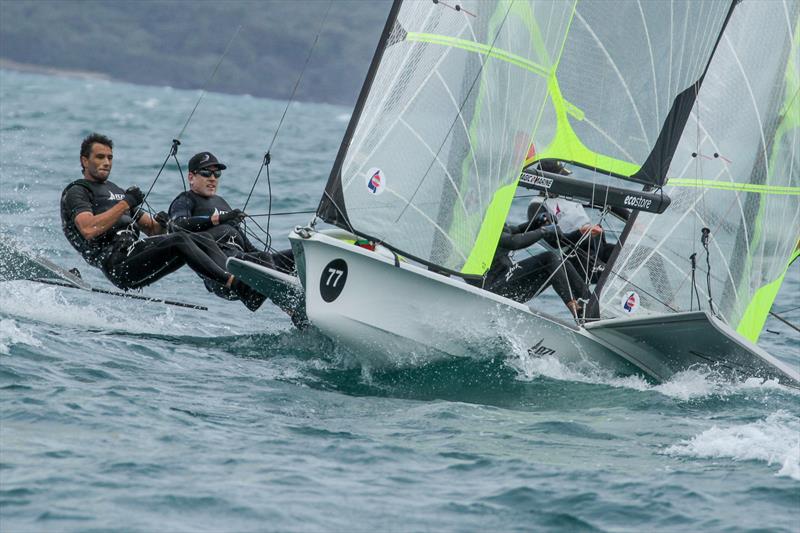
x=735, y=171
x=434, y=157
x=626, y=82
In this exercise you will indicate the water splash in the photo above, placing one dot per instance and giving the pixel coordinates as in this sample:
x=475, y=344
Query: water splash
x=774, y=440
x=12, y=333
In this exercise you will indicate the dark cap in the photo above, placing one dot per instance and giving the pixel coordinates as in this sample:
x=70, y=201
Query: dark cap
x=204, y=160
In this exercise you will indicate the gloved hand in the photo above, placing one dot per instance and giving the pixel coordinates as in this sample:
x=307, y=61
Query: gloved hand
x=235, y=216
x=134, y=196
x=549, y=229
x=552, y=230
x=162, y=218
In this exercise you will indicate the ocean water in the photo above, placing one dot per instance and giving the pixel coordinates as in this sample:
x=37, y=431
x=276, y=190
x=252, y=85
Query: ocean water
x=124, y=415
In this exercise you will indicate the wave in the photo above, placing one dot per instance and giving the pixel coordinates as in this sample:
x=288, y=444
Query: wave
x=774, y=440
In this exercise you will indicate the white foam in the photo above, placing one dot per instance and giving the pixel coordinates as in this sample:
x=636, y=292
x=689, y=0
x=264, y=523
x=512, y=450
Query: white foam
x=774, y=440
x=11, y=333
x=686, y=385
x=55, y=306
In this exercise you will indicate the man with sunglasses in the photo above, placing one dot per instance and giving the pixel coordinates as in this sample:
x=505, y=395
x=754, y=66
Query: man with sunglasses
x=206, y=215
x=103, y=223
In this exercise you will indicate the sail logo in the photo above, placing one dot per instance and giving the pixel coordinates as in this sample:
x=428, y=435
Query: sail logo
x=537, y=181
x=638, y=201
x=630, y=302
x=376, y=181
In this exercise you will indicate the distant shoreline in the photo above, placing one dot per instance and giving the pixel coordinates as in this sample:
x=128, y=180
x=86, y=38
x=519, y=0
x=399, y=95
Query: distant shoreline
x=53, y=71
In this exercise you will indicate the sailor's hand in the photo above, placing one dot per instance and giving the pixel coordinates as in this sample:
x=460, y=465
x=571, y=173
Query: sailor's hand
x=594, y=228
x=550, y=229
x=162, y=218
x=134, y=197
x=235, y=216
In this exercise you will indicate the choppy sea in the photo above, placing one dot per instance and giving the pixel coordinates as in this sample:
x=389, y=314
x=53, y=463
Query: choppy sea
x=124, y=415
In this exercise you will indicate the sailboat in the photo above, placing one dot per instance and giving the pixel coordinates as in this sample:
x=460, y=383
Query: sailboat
x=683, y=116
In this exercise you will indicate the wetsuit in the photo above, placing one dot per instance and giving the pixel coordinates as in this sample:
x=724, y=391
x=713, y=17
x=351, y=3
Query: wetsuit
x=191, y=212
x=521, y=281
x=128, y=262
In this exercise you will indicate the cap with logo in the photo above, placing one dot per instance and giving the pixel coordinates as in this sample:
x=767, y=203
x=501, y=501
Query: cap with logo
x=204, y=160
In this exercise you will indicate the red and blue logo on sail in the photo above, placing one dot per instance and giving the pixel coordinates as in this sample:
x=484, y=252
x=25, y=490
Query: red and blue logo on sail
x=630, y=302
x=376, y=181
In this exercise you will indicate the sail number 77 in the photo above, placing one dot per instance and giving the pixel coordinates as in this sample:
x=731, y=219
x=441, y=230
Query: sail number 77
x=333, y=279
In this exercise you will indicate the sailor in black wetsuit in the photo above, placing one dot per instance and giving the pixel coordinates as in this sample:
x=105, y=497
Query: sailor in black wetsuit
x=521, y=281
x=202, y=213
x=102, y=222
x=588, y=253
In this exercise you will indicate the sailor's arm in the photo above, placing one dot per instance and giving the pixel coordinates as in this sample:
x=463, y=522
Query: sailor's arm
x=180, y=212
x=518, y=241
x=149, y=225
x=92, y=226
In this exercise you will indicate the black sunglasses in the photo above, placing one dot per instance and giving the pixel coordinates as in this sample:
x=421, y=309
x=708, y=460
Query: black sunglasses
x=209, y=173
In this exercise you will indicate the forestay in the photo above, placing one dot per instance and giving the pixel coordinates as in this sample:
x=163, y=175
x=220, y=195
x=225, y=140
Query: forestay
x=736, y=171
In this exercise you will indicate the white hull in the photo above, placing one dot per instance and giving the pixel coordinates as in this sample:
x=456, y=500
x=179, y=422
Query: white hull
x=393, y=313
x=400, y=315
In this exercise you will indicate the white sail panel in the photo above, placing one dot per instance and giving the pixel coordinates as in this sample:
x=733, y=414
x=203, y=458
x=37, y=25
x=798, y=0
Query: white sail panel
x=623, y=67
x=437, y=150
x=737, y=172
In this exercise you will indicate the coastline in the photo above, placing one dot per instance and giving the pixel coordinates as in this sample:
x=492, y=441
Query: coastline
x=53, y=71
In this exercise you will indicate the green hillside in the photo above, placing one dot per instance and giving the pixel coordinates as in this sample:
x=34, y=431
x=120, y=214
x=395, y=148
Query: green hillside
x=179, y=42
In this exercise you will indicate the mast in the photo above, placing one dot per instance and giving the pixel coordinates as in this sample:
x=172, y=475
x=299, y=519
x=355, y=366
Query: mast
x=332, y=207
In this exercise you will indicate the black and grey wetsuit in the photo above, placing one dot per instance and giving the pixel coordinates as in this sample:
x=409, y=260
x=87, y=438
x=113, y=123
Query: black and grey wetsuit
x=128, y=262
x=191, y=212
x=521, y=281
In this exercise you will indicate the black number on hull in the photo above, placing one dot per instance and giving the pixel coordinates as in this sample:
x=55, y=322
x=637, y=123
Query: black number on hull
x=332, y=281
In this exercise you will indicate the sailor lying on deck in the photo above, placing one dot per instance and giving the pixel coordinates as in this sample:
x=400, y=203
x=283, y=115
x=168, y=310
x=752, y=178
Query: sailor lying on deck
x=102, y=222
x=521, y=281
x=205, y=215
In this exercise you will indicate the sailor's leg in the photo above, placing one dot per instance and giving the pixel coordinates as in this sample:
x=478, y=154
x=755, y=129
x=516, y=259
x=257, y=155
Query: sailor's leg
x=154, y=258
x=284, y=260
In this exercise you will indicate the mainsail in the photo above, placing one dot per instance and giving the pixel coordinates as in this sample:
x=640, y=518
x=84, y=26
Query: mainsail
x=625, y=84
x=736, y=171
x=457, y=93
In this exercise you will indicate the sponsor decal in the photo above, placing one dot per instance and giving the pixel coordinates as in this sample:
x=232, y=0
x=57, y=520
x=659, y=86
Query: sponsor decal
x=630, y=302
x=638, y=202
x=116, y=197
x=540, y=350
x=538, y=181
x=332, y=280
x=376, y=181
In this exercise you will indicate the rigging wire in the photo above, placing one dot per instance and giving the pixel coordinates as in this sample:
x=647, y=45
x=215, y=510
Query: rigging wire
x=776, y=315
x=210, y=78
x=176, y=141
x=268, y=155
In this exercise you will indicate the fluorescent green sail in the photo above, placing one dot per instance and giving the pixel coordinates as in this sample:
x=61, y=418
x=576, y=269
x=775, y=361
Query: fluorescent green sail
x=624, y=66
x=735, y=172
x=755, y=316
x=457, y=96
